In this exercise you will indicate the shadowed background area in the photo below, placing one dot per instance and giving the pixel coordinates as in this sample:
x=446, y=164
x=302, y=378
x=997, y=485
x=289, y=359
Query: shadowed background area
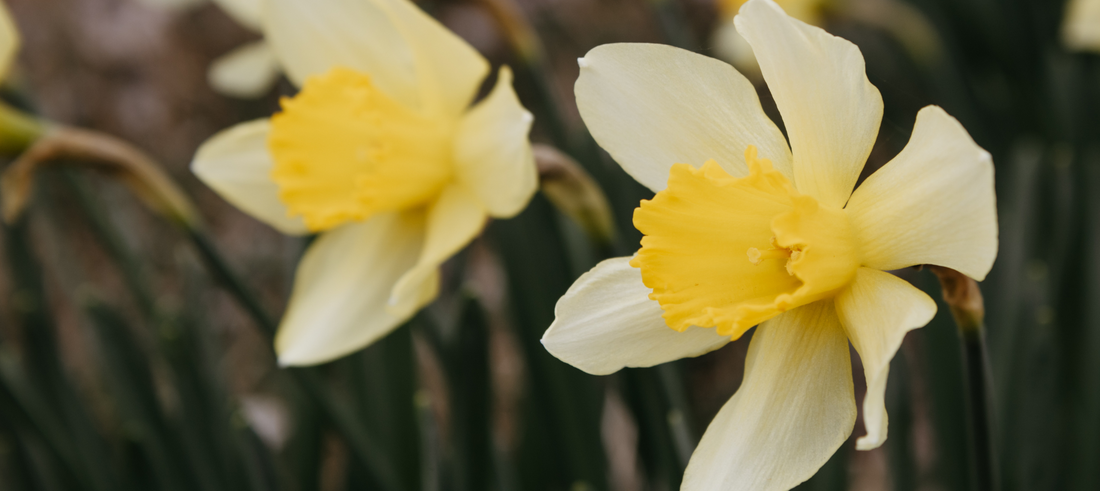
x=124, y=364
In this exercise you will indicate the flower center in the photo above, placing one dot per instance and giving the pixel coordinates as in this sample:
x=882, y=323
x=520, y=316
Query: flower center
x=730, y=253
x=344, y=151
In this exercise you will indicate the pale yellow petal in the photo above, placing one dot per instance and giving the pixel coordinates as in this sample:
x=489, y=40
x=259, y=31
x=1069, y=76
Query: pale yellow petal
x=454, y=219
x=1081, y=25
x=876, y=310
x=310, y=38
x=246, y=12
x=449, y=70
x=237, y=165
x=606, y=321
x=793, y=410
x=246, y=72
x=9, y=40
x=493, y=156
x=338, y=304
x=408, y=55
x=932, y=204
x=652, y=106
x=830, y=109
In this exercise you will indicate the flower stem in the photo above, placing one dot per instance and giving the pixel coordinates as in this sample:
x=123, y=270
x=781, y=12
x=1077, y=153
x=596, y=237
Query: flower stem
x=965, y=300
x=353, y=431
x=85, y=149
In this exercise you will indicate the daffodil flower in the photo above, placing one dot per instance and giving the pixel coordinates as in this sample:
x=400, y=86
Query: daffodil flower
x=9, y=41
x=382, y=153
x=762, y=234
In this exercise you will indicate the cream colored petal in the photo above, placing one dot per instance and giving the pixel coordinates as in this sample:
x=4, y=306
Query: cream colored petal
x=606, y=321
x=237, y=165
x=793, y=410
x=492, y=153
x=449, y=70
x=652, y=106
x=338, y=304
x=247, y=72
x=9, y=40
x=454, y=220
x=830, y=109
x=1081, y=25
x=876, y=310
x=246, y=12
x=932, y=204
x=408, y=55
x=310, y=38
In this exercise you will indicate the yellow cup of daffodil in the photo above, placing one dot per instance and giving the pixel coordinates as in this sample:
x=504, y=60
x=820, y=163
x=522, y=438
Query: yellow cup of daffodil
x=381, y=153
x=770, y=235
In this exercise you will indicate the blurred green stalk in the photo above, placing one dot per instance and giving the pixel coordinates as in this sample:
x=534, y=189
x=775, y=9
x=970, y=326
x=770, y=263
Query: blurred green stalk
x=309, y=380
x=965, y=299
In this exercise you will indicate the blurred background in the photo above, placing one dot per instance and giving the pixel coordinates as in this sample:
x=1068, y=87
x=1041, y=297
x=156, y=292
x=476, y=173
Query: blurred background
x=125, y=363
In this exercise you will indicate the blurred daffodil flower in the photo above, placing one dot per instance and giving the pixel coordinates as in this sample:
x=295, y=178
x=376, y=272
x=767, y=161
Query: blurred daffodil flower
x=248, y=71
x=17, y=130
x=770, y=235
x=9, y=41
x=382, y=153
x=1081, y=25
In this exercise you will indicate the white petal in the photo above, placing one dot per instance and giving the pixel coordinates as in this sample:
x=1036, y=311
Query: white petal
x=407, y=54
x=876, y=310
x=454, y=220
x=449, y=70
x=793, y=410
x=237, y=165
x=932, y=204
x=492, y=153
x=339, y=300
x=246, y=12
x=9, y=40
x=830, y=109
x=652, y=106
x=246, y=72
x=606, y=321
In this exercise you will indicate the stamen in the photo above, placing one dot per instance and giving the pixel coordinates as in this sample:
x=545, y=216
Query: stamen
x=756, y=256
x=790, y=262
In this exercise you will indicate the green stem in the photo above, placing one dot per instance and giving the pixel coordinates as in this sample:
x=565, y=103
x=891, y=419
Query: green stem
x=232, y=284
x=976, y=360
x=968, y=308
x=113, y=244
x=308, y=379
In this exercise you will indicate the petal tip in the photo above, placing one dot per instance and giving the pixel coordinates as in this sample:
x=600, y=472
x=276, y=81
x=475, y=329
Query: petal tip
x=868, y=442
x=583, y=63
